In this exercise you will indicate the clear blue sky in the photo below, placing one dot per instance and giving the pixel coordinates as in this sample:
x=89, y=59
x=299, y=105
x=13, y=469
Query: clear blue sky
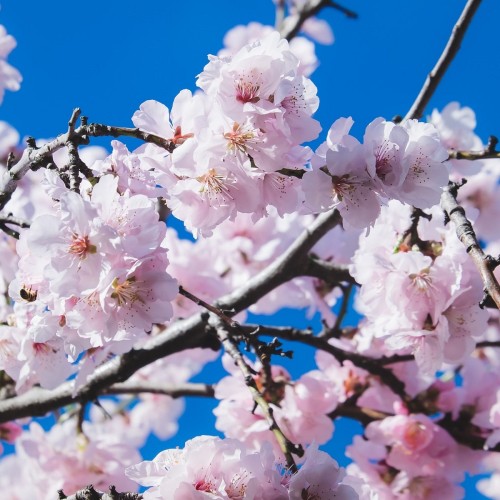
x=108, y=56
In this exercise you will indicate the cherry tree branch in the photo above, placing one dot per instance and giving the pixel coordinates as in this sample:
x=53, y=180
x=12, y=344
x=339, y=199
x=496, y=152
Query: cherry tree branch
x=181, y=335
x=172, y=390
x=306, y=337
x=10, y=219
x=34, y=157
x=327, y=271
x=231, y=347
x=89, y=493
x=336, y=330
x=100, y=130
x=450, y=51
x=484, y=263
x=489, y=152
x=292, y=24
x=294, y=262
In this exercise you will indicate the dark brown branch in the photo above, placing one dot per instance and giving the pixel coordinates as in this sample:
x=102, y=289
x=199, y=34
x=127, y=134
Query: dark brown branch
x=370, y=365
x=231, y=323
x=9, y=219
x=291, y=26
x=488, y=152
x=100, y=130
x=467, y=236
x=294, y=262
x=172, y=390
x=231, y=347
x=359, y=413
x=33, y=157
x=181, y=335
x=327, y=271
x=488, y=343
x=336, y=329
x=449, y=52
x=89, y=493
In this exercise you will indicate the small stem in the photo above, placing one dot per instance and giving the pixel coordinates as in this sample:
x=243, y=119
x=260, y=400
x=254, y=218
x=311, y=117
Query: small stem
x=449, y=52
x=489, y=152
x=215, y=310
x=336, y=330
x=286, y=446
x=292, y=24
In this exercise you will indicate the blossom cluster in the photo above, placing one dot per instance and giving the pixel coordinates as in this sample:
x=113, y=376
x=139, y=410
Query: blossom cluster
x=96, y=273
x=91, y=274
x=210, y=467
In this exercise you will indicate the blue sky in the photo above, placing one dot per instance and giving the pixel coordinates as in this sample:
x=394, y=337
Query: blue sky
x=109, y=56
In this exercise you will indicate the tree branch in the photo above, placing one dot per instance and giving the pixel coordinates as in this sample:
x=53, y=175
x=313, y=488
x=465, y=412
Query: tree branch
x=172, y=390
x=370, y=365
x=291, y=26
x=181, y=335
x=89, y=493
x=294, y=262
x=231, y=347
x=489, y=152
x=33, y=157
x=10, y=219
x=327, y=271
x=484, y=263
x=449, y=52
x=100, y=130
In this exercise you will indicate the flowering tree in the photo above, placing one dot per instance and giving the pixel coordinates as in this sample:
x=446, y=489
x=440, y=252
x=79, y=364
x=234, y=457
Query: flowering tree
x=107, y=313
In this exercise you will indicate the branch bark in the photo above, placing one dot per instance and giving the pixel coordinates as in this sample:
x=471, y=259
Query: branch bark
x=181, y=335
x=34, y=157
x=370, y=365
x=89, y=493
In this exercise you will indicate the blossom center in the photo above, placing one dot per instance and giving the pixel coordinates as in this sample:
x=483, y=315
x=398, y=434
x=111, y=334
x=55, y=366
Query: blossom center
x=246, y=91
x=126, y=292
x=421, y=280
x=383, y=158
x=81, y=246
x=213, y=186
x=341, y=186
x=238, y=138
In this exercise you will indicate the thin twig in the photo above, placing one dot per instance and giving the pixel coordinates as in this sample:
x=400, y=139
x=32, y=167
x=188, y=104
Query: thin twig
x=100, y=130
x=336, y=329
x=215, y=310
x=291, y=25
x=369, y=364
x=488, y=343
x=231, y=347
x=449, y=52
x=488, y=152
x=16, y=221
